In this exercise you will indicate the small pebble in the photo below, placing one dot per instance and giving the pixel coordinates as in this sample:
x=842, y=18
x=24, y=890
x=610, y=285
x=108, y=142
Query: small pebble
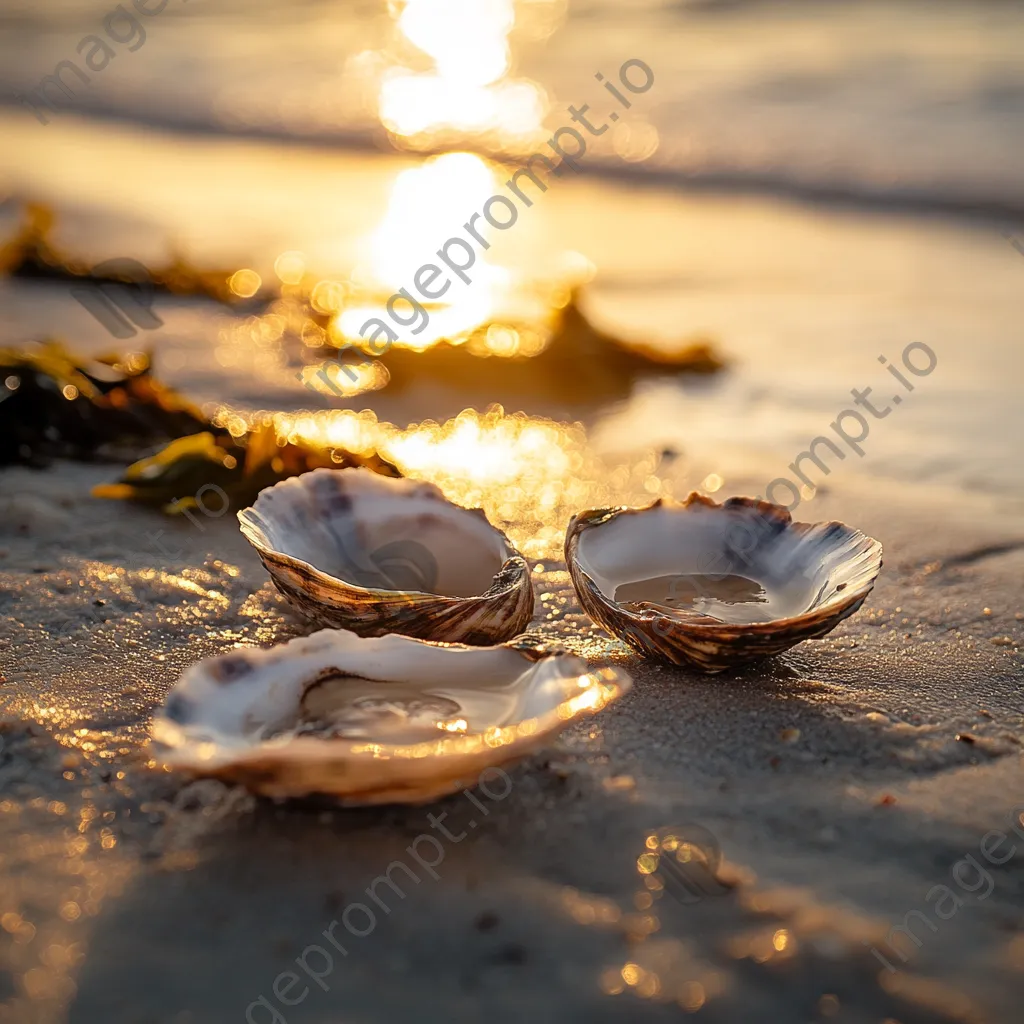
x=512, y=953
x=619, y=783
x=828, y=1005
x=486, y=921
x=789, y=735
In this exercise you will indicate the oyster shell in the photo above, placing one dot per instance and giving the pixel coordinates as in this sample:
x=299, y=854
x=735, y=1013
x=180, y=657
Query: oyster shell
x=372, y=719
x=711, y=585
x=359, y=551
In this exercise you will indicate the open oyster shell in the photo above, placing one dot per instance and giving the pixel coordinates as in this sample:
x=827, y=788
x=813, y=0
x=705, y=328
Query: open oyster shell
x=372, y=720
x=356, y=550
x=712, y=585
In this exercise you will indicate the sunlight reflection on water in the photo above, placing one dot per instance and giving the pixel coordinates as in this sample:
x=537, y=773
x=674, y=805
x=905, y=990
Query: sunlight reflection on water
x=467, y=89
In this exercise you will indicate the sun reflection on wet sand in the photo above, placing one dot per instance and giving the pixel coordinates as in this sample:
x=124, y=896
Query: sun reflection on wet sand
x=661, y=967
x=528, y=473
x=80, y=868
x=496, y=305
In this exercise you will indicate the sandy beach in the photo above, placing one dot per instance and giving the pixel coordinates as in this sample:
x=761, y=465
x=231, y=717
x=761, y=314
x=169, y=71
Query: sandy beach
x=842, y=781
x=860, y=796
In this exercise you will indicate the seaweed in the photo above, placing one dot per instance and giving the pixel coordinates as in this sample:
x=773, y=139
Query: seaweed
x=572, y=360
x=30, y=254
x=55, y=405
x=179, y=477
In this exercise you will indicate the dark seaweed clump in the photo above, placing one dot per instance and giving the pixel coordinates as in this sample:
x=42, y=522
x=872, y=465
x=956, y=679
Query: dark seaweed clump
x=31, y=254
x=55, y=405
x=200, y=470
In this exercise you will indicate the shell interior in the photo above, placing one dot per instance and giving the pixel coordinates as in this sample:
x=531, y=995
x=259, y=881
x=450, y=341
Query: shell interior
x=722, y=564
x=384, y=534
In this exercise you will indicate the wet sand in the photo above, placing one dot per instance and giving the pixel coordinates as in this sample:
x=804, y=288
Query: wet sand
x=842, y=781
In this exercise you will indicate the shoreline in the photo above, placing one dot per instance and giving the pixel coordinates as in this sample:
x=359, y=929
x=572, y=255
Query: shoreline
x=372, y=142
x=876, y=776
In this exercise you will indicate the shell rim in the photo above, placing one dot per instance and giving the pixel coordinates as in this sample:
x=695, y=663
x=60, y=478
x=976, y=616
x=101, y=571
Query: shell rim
x=649, y=613
x=175, y=748
x=254, y=534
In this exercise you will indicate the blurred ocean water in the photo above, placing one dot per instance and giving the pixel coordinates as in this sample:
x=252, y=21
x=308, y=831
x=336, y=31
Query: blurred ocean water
x=909, y=100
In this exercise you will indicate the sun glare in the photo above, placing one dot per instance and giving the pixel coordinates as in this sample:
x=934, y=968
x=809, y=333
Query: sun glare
x=468, y=89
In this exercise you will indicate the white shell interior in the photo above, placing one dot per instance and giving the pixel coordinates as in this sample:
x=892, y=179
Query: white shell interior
x=731, y=564
x=386, y=690
x=381, y=533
